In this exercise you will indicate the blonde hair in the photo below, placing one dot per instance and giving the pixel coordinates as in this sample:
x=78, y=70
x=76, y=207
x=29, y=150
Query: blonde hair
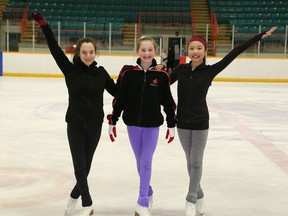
x=146, y=38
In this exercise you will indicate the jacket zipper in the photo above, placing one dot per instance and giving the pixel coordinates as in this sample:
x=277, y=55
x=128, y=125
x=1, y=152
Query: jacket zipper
x=188, y=98
x=89, y=101
x=142, y=98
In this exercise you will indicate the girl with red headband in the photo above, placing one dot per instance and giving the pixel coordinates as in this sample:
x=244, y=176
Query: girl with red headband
x=194, y=80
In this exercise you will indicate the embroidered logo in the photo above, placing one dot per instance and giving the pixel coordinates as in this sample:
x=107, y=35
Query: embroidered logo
x=154, y=83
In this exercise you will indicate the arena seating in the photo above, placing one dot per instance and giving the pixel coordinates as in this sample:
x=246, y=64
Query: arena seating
x=97, y=14
x=248, y=16
x=92, y=10
x=245, y=16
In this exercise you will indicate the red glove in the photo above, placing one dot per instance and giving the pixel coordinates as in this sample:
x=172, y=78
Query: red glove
x=112, y=129
x=170, y=134
x=39, y=18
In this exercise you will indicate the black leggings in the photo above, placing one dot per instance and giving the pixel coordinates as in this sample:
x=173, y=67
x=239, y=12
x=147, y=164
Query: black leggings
x=83, y=142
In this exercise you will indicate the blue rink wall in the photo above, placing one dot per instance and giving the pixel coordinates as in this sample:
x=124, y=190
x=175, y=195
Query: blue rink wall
x=241, y=69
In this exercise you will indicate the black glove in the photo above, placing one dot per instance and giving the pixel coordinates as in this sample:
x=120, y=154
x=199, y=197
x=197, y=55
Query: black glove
x=39, y=18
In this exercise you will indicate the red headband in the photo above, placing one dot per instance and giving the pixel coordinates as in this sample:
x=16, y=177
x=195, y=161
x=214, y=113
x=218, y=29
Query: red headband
x=201, y=40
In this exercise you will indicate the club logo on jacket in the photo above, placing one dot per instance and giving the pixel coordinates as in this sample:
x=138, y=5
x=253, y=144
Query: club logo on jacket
x=154, y=83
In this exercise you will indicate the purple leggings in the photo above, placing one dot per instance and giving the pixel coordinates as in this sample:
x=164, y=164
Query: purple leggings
x=143, y=141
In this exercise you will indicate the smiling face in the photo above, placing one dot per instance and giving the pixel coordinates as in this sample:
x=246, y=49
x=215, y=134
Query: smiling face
x=146, y=51
x=196, y=52
x=87, y=53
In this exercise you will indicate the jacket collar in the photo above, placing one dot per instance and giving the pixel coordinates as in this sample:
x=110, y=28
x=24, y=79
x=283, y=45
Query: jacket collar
x=154, y=63
x=189, y=65
x=85, y=67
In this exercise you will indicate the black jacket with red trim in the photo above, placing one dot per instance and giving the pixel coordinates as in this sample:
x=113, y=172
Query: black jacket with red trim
x=140, y=96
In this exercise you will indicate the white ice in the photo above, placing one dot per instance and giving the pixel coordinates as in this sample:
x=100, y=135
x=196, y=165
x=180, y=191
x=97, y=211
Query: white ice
x=245, y=162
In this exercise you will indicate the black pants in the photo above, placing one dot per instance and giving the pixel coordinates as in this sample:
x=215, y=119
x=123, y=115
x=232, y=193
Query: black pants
x=83, y=142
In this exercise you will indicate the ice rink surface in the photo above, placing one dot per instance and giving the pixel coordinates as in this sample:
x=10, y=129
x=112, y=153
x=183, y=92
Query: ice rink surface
x=245, y=162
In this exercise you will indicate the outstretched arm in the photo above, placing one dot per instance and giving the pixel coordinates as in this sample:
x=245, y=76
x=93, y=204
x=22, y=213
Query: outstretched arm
x=219, y=66
x=269, y=33
x=56, y=51
x=39, y=18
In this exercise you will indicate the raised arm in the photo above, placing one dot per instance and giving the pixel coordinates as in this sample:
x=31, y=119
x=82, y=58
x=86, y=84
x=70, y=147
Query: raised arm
x=56, y=51
x=219, y=66
x=269, y=33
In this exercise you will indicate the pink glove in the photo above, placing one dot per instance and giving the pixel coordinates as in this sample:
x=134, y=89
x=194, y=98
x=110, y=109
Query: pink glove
x=39, y=18
x=170, y=134
x=112, y=129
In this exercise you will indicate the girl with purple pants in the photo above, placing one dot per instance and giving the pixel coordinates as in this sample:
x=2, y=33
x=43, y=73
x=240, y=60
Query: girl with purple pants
x=142, y=90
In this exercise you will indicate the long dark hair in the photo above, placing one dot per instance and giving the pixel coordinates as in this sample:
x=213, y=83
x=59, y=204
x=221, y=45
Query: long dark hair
x=76, y=54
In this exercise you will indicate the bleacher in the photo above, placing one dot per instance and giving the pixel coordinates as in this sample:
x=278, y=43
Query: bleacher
x=97, y=15
x=99, y=11
x=248, y=17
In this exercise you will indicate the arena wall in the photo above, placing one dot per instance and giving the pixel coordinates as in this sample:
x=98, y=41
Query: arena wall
x=241, y=69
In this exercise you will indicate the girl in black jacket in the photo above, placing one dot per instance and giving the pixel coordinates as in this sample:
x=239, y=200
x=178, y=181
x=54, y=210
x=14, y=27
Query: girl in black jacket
x=194, y=80
x=86, y=83
x=142, y=91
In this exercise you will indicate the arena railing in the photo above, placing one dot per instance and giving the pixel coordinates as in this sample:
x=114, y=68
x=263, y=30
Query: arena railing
x=119, y=38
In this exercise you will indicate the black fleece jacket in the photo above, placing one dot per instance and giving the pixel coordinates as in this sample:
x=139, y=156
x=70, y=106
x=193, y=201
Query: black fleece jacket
x=192, y=109
x=85, y=86
x=140, y=96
